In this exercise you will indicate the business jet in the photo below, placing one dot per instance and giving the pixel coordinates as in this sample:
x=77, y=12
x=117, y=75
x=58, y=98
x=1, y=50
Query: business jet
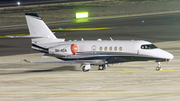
x=94, y=52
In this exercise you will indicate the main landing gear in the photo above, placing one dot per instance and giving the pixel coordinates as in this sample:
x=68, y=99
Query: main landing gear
x=87, y=67
x=102, y=67
x=158, y=68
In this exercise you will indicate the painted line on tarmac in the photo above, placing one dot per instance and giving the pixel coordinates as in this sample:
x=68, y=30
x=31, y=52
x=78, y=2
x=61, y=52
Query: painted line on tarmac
x=5, y=36
x=80, y=29
x=167, y=70
x=163, y=70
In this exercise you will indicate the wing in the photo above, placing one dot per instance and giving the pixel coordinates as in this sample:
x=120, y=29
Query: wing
x=73, y=61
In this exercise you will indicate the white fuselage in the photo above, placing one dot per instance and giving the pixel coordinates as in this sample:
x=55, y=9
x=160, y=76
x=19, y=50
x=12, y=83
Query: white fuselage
x=111, y=51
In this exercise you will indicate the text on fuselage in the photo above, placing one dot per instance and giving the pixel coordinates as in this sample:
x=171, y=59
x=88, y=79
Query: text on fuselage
x=60, y=50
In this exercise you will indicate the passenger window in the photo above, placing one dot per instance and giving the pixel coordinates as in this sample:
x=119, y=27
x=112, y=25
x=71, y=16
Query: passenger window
x=105, y=48
x=110, y=48
x=120, y=48
x=100, y=48
x=115, y=48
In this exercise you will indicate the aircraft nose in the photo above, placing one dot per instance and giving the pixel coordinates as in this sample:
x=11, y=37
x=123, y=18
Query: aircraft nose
x=165, y=55
x=169, y=56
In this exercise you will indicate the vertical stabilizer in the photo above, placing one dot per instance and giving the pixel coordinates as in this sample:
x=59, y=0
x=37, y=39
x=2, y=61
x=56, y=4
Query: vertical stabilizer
x=37, y=27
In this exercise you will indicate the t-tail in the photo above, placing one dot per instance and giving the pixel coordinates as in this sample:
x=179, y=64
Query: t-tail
x=39, y=31
x=41, y=36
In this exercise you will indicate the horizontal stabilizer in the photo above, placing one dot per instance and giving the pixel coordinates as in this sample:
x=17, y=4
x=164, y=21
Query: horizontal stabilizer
x=46, y=55
x=27, y=61
x=27, y=37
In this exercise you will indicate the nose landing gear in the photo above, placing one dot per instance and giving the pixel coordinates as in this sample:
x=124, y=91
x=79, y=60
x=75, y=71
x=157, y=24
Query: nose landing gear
x=158, y=68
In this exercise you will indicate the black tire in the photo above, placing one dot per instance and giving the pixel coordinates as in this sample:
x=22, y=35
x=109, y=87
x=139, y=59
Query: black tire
x=100, y=67
x=158, y=68
x=84, y=70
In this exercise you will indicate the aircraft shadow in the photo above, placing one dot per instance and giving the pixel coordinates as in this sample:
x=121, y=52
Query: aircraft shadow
x=63, y=68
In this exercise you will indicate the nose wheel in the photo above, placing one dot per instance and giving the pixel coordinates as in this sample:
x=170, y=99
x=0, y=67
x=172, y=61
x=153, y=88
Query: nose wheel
x=158, y=68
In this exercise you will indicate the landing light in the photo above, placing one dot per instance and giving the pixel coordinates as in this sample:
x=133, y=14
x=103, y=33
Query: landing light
x=81, y=15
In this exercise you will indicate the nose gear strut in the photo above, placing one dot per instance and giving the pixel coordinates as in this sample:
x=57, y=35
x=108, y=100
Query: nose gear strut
x=158, y=68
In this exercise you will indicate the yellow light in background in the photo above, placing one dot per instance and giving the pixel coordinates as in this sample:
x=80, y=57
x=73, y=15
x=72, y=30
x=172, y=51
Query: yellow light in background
x=82, y=15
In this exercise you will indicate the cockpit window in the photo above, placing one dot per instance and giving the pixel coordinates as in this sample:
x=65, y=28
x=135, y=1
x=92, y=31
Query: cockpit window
x=148, y=46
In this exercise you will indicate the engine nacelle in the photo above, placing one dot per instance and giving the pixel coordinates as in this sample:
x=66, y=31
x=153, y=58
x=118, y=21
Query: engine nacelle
x=64, y=50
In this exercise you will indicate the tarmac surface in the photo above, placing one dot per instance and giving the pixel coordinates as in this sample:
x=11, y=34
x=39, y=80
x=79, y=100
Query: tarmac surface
x=135, y=81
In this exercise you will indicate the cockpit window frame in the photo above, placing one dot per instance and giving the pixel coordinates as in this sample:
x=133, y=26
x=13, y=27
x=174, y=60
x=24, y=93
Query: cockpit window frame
x=148, y=46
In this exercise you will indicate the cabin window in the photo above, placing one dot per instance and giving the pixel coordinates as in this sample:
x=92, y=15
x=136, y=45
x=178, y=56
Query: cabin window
x=148, y=46
x=105, y=48
x=120, y=48
x=110, y=48
x=115, y=48
x=100, y=48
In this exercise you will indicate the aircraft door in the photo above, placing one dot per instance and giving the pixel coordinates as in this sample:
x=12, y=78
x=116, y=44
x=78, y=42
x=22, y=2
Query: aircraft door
x=93, y=49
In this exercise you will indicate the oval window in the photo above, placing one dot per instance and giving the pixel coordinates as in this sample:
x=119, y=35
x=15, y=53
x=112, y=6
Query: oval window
x=120, y=48
x=105, y=48
x=115, y=48
x=110, y=48
x=100, y=48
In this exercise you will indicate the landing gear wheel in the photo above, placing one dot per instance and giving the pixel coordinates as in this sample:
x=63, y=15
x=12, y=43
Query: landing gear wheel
x=83, y=68
x=102, y=67
x=158, y=68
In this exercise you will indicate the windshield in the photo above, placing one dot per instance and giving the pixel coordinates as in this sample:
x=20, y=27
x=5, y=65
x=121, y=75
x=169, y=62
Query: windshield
x=148, y=46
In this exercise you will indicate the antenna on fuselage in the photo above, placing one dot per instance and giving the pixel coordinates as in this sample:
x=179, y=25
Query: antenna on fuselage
x=99, y=39
x=111, y=39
